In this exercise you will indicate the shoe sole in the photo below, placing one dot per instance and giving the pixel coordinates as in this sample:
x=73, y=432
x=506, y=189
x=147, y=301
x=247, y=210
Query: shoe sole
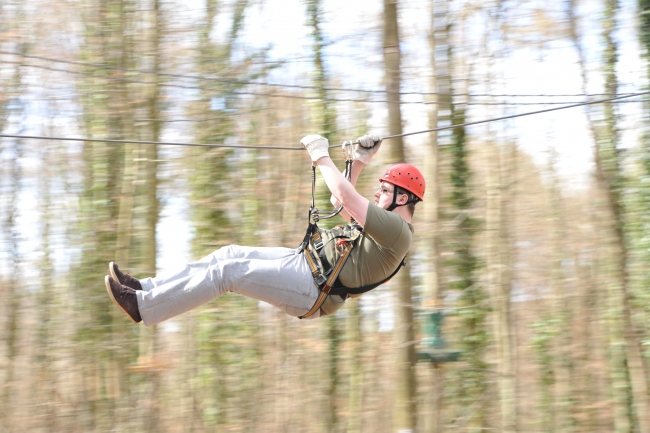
x=110, y=293
x=111, y=270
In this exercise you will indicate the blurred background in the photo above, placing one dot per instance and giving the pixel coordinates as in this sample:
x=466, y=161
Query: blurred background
x=524, y=305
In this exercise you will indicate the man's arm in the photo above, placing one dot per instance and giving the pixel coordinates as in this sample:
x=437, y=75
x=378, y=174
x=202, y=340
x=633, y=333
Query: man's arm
x=343, y=192
x=355, y=205
x=357, y=166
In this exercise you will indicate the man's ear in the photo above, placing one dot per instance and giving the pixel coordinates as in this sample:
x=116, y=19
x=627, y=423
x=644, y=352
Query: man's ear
x=402, y=199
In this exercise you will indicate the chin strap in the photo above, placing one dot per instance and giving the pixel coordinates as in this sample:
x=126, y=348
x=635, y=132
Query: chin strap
x=394, y=204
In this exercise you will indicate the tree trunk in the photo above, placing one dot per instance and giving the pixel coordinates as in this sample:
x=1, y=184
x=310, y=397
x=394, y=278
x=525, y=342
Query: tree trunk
x=499, y=280
x=324, y=121
x=563, y=407
x=11, y=287
x=12, y=294
x=405, y=411
x=147, y=175
x=609, y=178
x=472, y=308
x=431, y=208
x=105, y=214
x=355, y=360
x=46, y=393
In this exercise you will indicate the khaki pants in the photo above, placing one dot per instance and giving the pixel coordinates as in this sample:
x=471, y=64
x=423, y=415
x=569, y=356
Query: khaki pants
x=277, y=276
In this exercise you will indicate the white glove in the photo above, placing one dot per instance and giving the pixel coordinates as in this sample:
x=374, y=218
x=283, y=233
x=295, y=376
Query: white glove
x=316, y=145
x=368, y=146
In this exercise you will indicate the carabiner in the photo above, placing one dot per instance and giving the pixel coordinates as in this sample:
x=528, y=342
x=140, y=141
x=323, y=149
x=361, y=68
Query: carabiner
x=348, y=151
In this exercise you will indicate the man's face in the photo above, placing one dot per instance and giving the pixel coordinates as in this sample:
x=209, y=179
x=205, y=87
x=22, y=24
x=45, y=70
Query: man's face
x=384, y=195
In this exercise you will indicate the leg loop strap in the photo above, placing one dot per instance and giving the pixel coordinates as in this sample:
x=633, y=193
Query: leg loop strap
x=323, y=283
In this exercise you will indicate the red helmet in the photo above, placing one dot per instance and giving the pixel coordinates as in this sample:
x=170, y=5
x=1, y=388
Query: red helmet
x=407, y=177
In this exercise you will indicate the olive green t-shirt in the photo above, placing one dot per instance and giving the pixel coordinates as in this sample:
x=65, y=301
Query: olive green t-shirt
x=386, y=240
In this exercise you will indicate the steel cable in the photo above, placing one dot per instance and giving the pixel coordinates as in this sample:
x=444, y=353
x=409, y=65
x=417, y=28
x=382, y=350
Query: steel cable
x=240, y=146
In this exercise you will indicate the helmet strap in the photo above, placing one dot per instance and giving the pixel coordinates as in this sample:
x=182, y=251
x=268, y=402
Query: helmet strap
x=394, y=204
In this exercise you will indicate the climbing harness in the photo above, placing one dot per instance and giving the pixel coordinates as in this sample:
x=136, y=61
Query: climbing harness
x=345, y=237
x=312, y=243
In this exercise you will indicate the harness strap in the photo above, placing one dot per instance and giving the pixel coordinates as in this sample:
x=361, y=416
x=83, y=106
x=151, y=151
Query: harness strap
x=316, y=272
x=364, y=289
x=312, y=235
x=341, y=290
x=326, y=287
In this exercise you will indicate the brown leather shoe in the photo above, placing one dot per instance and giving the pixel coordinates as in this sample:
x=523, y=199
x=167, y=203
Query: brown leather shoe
x=122, y=278
x=124, y=297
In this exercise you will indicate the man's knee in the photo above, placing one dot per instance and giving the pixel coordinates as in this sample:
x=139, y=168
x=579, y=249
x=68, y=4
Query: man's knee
x=232, y=251
x=227, y=274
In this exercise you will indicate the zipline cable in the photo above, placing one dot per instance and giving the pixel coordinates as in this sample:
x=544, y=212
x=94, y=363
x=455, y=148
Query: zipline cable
x=242, y=146
x=258, y=83
x=154, y=143
x=513, y=116
x=296, y=96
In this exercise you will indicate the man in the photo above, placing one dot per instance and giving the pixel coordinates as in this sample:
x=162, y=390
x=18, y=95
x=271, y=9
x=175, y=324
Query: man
x=282, y=276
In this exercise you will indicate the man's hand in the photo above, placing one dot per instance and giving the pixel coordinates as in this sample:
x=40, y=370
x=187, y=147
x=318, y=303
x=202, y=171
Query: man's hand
x=368, y=146
x=316, y=145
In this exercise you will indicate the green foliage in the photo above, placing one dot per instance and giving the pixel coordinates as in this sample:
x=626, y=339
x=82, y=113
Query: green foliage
x=637, y=228
x=225, y=206
x=104, y=43
x=637, y=199
x=644, y=25
x=227, y=360
x=460, y=175
x=464, y=261
x=211, y=195
x=323, y=113
x=214, y=185
x=545, y=332
x=472, y=303
x=472, y=311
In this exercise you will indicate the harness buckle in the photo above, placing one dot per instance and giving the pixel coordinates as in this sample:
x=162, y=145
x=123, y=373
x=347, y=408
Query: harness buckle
x=320, y=280
x=317, y=239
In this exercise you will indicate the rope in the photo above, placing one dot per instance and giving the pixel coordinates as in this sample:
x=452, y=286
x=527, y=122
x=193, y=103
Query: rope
x=240, y=146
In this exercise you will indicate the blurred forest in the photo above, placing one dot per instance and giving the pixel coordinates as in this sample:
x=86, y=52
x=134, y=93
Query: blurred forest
x=525, y=303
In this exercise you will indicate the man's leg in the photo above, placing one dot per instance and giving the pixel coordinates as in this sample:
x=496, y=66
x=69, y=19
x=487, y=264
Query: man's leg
x=285, y=282
x=225, y=253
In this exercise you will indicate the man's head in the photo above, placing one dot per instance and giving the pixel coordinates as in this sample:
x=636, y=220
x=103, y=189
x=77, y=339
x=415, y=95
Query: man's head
x=403, y=185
